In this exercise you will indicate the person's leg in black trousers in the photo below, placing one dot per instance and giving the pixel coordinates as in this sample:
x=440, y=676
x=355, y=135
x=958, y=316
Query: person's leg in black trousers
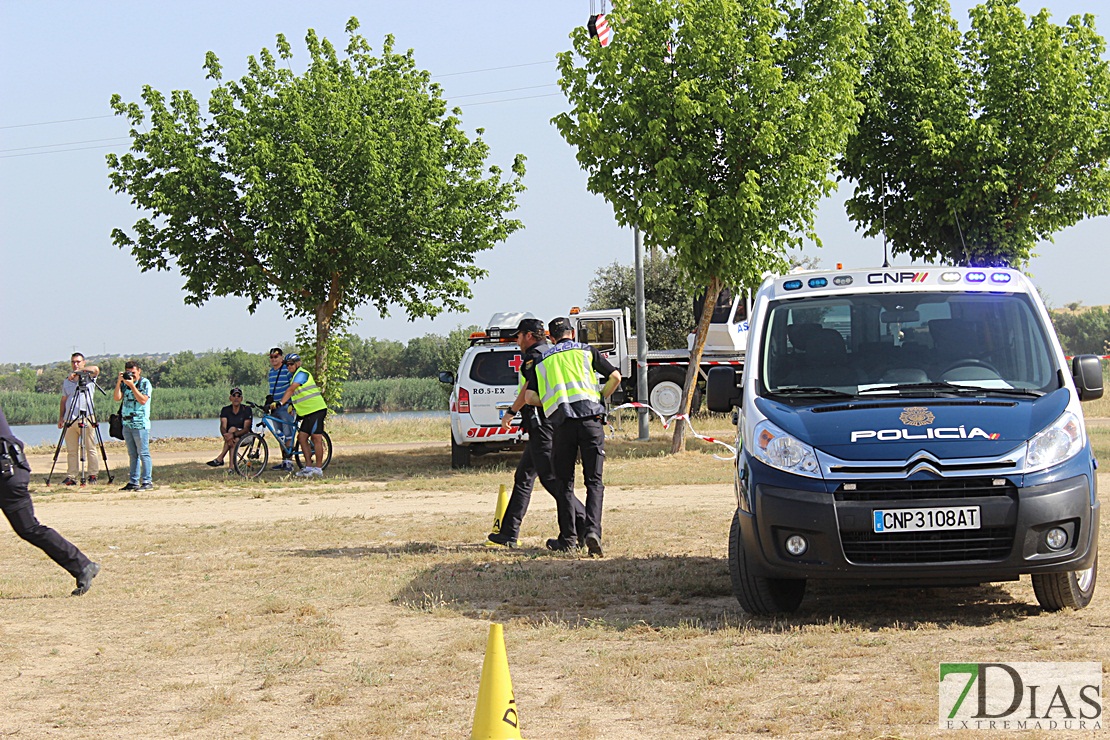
x=564, y=454
x=591, y=443
x=20, y=512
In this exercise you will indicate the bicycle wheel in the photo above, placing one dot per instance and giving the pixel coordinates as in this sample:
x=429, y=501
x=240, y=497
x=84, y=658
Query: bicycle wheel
x=250, y=455
x=299, y=456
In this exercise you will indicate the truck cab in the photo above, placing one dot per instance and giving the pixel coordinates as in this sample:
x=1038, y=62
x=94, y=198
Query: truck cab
x=909, y=427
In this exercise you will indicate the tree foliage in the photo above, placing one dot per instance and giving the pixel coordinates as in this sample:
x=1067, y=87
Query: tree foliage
x=997, y=137
x=712, y=126
x=670, y=315
x=1083, y=331
x=347, y=184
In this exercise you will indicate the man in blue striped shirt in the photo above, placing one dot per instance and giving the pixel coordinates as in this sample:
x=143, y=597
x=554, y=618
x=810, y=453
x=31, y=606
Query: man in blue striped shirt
x=279, y=383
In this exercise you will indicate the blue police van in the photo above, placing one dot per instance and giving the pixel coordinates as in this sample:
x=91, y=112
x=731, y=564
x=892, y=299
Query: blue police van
x=915, y=426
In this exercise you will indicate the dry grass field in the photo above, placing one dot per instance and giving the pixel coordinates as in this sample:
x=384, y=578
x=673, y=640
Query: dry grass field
x=358, y=606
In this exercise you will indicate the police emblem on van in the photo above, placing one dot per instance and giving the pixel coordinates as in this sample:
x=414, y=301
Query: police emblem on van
x=917, y=416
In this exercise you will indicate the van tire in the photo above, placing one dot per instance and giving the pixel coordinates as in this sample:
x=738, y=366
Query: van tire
x=760, y=597
x=665, y=385
x=460, y=455
x=1069, y=590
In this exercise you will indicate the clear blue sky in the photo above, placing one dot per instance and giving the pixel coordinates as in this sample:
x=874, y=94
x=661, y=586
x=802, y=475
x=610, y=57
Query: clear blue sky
x=66, y=286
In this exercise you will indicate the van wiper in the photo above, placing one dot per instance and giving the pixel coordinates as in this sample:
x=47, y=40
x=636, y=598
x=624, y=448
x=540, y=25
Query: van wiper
x=810, y=390
x=949, y=388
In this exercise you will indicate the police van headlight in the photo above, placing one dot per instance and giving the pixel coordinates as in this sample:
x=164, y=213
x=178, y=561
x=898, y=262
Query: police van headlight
x=1060, y=441
x=780, y=450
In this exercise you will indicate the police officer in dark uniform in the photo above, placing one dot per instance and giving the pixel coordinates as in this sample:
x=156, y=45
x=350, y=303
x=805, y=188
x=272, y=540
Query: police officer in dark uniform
x=536, y=459
x=568, y=391
x=15, y=501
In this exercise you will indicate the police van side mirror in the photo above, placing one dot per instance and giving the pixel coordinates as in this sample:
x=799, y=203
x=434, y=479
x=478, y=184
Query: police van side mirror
x=1087, y=371
x=446, y=377
x=722, y=389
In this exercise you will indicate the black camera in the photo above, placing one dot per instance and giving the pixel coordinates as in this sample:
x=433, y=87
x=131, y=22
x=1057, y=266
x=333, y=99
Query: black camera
x=129, y=375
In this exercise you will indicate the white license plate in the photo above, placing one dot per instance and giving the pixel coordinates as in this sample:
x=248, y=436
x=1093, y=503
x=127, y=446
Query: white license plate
x=924, y=520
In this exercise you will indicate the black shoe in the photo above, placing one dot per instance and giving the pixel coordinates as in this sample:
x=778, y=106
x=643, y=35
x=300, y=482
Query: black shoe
x=556, y=544
x=92, y=479
x=69, y=481
x=84, y=581
x=501, y=540
x=593, y=544
x=130, y=487
x=146, y=487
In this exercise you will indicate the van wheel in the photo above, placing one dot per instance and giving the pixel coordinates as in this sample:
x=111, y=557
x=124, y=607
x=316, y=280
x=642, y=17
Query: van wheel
x=760, y=597
x=665, y=391
x=1072, y=590
x=460, y=455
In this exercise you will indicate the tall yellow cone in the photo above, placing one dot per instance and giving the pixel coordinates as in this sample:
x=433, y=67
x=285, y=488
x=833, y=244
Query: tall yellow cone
x=499, y=511
x=495, y=716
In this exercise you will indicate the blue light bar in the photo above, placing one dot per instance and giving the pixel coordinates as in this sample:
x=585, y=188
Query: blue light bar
x=818, y=282
x=1000, y=277
x=792, y=285
x=975, y=277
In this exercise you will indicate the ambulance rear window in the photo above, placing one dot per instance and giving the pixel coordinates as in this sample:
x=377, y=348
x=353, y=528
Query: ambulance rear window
x=493, y=368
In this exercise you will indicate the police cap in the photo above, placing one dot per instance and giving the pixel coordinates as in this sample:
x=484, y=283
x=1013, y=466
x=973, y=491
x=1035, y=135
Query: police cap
x=529, y=326
x=559, y=327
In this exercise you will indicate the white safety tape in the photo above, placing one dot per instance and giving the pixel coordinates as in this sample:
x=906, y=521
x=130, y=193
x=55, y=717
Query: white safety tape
x=667, y=422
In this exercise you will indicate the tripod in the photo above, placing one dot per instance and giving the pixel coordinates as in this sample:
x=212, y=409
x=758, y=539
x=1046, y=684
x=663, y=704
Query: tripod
x=83, y=419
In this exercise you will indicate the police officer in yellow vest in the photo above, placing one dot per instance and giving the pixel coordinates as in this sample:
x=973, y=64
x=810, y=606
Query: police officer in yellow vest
x=568, y=391
x=308, y=402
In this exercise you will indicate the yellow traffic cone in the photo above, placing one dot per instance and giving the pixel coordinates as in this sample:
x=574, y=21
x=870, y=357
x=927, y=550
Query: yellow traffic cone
x=499, y=511
x=495, y=716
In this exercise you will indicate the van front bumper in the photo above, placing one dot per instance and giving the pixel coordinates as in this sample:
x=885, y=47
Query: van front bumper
x=838, y=527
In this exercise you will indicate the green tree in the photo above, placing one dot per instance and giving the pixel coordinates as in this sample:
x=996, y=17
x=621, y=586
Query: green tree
x=373, y=359
x=1083, y=331
x=712, y=126
x=996, y=138
x=347, y=184
x=670, y=314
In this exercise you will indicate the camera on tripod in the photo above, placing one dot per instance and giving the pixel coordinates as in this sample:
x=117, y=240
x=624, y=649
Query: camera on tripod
x=84, y=377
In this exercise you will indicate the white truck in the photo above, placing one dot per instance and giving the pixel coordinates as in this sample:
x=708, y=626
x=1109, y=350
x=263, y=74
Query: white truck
x=610, y=331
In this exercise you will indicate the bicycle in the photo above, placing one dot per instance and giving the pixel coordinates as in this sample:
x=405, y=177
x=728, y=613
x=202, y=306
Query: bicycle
x=251, y=453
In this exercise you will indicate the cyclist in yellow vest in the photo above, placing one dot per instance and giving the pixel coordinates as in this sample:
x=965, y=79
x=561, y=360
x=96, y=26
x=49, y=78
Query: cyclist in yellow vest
x=308, y=402
x=568, y=391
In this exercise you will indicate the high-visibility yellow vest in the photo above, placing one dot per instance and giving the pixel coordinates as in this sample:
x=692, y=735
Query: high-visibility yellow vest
x=308, y=397
x=568, y=384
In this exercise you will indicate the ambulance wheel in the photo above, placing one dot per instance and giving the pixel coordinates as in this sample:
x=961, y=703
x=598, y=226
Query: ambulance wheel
x=665, y=391
x=460, y=455
x=760, y=597
x=1072, y=590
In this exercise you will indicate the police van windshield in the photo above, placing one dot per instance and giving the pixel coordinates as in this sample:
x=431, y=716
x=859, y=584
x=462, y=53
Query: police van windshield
x=906, y=343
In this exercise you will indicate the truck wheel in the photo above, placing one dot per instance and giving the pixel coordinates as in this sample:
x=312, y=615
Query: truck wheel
x=460, y=455
x=760, y=597
x=1072, y=589
x=665, y=391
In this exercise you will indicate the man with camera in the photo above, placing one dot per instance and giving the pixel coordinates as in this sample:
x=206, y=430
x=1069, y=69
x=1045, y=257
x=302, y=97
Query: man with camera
x=76, y=411
x=15, y=501
x=134, y=391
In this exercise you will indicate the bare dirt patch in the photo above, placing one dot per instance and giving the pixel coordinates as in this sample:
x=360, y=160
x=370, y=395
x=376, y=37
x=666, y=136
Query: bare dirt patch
x=359, y=608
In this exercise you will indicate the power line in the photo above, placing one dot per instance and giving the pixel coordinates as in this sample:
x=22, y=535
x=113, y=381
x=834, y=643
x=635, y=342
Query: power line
x=509, y=100
x=64, y=120
x=65, y=143
x=493, y=69
x=496, y=92
x=56, y=151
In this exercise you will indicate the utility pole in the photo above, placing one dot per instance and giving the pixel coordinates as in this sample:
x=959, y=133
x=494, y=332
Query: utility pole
x=641, y=340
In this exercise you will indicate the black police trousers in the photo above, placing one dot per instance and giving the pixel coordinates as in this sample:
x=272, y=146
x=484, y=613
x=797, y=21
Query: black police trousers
x=535, y=461
x=16, y=504
x=574, y=437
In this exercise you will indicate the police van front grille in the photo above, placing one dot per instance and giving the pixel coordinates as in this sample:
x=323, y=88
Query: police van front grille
x=937, y=488
x=870, y=548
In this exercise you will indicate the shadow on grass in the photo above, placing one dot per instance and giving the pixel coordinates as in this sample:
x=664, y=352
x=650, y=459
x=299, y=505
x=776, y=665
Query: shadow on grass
x=659, y=591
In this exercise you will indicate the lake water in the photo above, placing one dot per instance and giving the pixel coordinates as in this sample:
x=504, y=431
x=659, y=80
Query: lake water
x=37, y=434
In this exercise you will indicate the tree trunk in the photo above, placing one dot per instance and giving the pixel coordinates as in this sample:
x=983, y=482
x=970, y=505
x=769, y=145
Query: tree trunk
x=712, y=291
x=325, y=312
